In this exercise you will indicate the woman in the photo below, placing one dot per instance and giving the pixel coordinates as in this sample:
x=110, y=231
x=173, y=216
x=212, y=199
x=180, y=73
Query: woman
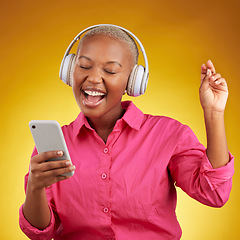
x=127, y=163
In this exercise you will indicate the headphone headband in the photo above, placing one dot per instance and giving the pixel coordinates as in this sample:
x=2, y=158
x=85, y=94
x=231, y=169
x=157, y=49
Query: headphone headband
x=145, y=74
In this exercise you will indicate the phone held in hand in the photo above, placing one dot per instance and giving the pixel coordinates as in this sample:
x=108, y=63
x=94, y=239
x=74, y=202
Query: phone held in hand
x=48, y=136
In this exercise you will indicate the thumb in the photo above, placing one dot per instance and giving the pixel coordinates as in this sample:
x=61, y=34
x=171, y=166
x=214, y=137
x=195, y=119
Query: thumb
x=207, y=76
x=205, y=82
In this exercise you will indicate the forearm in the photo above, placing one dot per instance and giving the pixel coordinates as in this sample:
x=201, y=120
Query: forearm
x=217, y=149
x=35, y=208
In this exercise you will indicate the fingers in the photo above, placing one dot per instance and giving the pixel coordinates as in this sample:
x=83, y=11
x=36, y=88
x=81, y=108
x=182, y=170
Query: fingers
x=218, y=81
x=221, y=81
x=210, y=66
x=40, y=179
x=57, y=173
x=51, y=165
x=43, y=157
x=203, y=71
x=59, y=167
x=44, y=173
x=41, y=162
x=205, y=76
x=215, y=81
x=215, y=78
x=203, y=68
x=207, y=70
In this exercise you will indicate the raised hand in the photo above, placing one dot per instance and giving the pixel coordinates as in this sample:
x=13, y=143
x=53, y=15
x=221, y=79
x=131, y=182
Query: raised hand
x=213, y=91
x=213, y=97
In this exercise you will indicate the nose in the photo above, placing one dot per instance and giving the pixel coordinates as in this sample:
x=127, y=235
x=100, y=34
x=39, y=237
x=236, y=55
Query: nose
x=94, y=76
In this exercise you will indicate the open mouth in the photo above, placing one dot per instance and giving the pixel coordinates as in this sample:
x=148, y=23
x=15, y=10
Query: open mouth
x=92, y=98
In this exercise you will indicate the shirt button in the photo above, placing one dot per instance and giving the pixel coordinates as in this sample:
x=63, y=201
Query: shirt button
x=104, y=176
x=106, y=210
x=105, y=150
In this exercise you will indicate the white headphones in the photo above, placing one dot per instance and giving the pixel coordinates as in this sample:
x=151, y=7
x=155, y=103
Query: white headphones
x=138, y=79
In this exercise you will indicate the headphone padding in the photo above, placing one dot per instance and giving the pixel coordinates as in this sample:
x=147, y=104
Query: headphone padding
x=144, y=82
x=67, y=69
x=135, y=81
x=131, y=81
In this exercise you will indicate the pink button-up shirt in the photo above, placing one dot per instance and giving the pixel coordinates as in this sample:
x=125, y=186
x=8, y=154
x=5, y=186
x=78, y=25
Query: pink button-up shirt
x=125, y=189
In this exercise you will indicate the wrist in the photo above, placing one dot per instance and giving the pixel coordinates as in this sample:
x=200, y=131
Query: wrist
x=34, y=188
x=210, y=112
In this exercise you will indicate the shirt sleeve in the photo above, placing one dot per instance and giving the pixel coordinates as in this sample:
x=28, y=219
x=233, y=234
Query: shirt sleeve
x=192, y=171
x=32, y=232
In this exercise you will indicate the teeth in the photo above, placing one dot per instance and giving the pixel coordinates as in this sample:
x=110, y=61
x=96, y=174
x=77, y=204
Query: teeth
x=94, y=93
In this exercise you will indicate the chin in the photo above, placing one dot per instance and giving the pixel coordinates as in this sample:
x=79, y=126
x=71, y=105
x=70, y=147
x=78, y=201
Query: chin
x=96, y=112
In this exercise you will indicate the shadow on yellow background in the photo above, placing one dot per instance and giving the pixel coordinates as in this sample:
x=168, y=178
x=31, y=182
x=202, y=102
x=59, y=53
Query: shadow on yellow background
x=178, y=37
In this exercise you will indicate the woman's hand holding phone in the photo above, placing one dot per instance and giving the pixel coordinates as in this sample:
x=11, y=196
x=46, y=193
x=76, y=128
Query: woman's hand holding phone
x=51, y=165
x=44, y=173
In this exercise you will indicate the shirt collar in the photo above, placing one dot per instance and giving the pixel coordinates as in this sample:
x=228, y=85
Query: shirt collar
x=133, y=117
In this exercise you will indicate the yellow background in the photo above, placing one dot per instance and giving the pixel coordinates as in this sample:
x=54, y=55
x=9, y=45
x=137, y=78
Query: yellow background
x=178, y=37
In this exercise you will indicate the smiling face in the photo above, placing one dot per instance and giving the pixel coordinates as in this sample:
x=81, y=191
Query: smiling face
x=100, y=75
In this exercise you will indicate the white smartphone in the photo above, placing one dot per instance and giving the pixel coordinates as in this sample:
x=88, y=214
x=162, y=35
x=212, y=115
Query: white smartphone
x=48, y=136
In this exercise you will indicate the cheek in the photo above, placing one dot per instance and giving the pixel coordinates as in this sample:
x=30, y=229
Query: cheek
x=75, y=92
x=76, y=83
x=77, y=80
x=76, y=75
x=117, y=85
x=124, y=82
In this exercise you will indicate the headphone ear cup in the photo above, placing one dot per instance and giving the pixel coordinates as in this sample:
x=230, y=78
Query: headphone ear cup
x=67, y=67
x=135, y=81
x=131, y=81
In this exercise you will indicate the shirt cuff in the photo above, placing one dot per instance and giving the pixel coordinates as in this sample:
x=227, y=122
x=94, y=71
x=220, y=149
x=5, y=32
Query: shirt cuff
x=217, y=176
x=34, y=233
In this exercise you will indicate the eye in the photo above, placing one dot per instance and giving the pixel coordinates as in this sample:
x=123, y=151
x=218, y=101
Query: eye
x=109, y=71
x=84, y=67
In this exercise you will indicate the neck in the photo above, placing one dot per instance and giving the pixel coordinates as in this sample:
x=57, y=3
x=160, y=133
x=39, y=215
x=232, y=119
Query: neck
x=104, y=125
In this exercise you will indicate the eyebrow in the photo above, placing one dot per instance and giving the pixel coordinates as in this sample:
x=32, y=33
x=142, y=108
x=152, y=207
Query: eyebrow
x=85, y=57
x=110, y=62
x=114, y=62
